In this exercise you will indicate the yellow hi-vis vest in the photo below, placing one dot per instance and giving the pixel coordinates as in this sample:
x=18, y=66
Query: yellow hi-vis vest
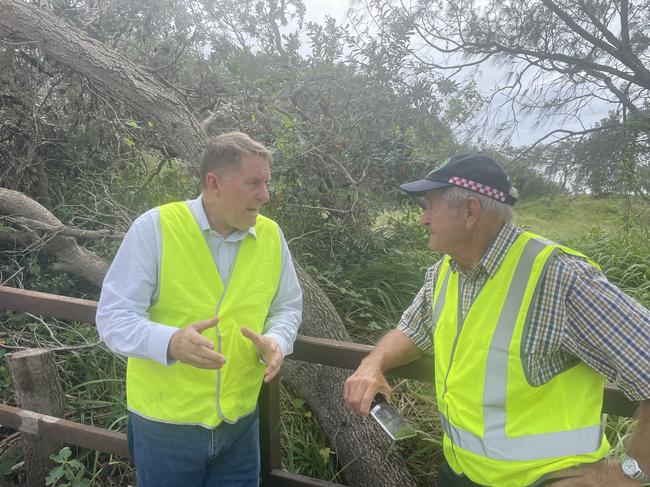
x=499, y=430
x=191, y=290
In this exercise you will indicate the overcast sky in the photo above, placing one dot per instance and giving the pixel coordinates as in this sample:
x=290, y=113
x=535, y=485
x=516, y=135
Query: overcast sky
x=486, y=77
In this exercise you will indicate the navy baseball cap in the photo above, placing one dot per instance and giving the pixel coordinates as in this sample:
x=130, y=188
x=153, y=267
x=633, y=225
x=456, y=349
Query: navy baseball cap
x=475, y=172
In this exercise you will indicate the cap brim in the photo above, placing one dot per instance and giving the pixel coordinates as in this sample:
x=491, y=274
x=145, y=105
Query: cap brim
x=423, y=186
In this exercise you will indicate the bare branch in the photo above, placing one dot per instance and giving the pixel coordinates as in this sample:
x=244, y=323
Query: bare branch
x=569, y=134
x=38, y=226
x=642, y=75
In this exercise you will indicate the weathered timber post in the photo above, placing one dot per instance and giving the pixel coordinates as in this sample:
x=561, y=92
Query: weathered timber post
x=37, y=388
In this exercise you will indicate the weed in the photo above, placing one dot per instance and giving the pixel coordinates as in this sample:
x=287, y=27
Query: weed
x=69, y=472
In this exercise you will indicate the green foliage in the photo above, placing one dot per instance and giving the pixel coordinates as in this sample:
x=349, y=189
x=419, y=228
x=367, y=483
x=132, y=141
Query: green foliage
x=304, y=446
x=153, y=183
x=69, y=472
x=613, y=160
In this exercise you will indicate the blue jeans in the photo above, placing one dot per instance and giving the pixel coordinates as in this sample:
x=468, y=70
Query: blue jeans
x=169, y=455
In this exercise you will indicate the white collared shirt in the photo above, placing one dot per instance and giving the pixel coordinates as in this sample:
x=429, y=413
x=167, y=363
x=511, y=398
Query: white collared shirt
x=131, y=286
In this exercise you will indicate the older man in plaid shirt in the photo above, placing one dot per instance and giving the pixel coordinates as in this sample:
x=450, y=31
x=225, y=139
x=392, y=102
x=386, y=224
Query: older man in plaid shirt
x=524, y=332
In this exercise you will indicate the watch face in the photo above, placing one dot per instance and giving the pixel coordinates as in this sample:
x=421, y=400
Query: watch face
x=630, y=467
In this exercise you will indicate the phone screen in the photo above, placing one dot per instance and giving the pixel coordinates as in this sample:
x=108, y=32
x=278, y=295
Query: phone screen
x=391, y=421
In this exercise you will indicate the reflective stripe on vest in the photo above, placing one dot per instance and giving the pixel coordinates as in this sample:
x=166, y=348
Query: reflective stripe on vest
x=536, y=452
x=191, y=290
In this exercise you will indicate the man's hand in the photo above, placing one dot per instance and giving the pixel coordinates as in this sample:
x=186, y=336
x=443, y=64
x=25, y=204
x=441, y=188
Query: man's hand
x=360, y=388
x=268, y=349
x=606, y=472
x=187, y=345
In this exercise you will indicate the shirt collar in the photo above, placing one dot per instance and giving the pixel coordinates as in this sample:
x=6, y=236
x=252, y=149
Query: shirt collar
x=196, y=207
x=495, y=253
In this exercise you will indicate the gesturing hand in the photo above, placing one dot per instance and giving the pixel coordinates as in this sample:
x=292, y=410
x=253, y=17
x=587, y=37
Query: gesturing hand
x=187, y=345
x=268, y=349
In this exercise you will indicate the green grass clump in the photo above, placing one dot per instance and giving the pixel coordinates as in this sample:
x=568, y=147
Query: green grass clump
x=304, y=446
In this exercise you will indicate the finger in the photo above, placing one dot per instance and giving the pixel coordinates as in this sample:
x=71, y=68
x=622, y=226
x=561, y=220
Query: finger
x=270, y=373
x=198, y=340
x=256, y=338
x=273, y=362
x=210, y=355
x=201, y=326
x=356, y=393
x=386, y=390
x=212, y=360
x=204, y=363
x=346, y=391
x=366, y=400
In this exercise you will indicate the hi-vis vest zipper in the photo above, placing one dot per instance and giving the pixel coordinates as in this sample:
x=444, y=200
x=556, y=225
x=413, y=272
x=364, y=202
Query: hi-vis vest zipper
x=499, y=430
x=191, y=290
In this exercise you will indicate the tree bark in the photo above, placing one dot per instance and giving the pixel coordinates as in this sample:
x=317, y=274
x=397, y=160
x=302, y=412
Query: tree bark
x=361, y=449
x=37, y=388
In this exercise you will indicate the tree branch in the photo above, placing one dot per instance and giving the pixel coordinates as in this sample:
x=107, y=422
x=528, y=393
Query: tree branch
x=625, y=24
x=39, y=226
x=116, y=76
x=627, y=58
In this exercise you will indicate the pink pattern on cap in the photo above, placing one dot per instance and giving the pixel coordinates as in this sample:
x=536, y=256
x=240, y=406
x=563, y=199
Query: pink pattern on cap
x=479, y=188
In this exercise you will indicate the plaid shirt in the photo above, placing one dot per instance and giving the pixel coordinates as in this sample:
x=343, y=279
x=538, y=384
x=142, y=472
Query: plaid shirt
x=577, y=316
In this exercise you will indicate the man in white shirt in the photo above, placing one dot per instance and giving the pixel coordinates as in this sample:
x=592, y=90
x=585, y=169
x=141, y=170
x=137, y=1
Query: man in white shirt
x=198, y=293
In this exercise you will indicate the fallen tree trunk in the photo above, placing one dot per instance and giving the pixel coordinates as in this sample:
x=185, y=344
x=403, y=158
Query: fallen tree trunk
x=359, y=445
x=36, y=228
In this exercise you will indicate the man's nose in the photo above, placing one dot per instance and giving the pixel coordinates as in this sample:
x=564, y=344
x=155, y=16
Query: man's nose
x=264, y=195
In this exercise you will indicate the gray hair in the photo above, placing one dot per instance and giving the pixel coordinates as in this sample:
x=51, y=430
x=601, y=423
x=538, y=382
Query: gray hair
x=456, y=196
x=226, y=150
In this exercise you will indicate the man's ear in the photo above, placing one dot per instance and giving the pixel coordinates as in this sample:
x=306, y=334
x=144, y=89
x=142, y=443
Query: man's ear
x=472, y=211
x=212, y=181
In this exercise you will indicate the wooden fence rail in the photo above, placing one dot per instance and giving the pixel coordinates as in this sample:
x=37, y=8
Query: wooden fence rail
x=328, y=352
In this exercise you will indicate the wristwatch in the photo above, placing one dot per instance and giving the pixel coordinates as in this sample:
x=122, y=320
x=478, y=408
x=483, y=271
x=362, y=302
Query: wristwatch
x=631, y=468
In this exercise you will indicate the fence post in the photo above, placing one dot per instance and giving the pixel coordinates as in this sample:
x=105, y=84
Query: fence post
x=37, y=388
x=269, y=404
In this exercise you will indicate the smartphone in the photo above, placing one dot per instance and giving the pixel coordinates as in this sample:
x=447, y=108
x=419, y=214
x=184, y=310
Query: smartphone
x=390, y=420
